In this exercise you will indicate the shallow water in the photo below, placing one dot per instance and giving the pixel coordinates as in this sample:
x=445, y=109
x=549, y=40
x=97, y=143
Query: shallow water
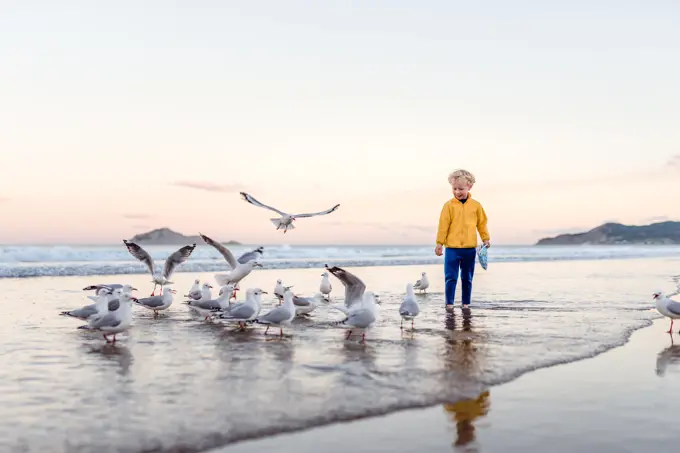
x=176, y=382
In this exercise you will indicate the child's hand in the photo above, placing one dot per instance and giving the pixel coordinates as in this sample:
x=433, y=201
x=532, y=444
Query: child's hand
x=438, y=250
x=487, y=244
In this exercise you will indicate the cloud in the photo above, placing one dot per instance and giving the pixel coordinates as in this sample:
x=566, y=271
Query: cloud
x=3, y=199
x=674, y=162
x=136, y=216
x=208, y=186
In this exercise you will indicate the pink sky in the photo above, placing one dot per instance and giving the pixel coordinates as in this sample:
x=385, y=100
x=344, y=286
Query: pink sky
x=105, y=110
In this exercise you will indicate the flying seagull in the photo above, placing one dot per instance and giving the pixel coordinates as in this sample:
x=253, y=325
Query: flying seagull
x=158, y=278
x=284, y=222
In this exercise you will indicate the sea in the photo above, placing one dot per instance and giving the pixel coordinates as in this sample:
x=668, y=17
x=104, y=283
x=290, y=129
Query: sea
x=176, y=383
x=19, y=261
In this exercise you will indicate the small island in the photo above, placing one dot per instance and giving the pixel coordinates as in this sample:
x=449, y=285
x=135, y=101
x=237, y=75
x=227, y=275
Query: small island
x=661, y=233
x=166, y=236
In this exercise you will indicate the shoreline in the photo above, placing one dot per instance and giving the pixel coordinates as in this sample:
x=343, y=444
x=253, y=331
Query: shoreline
x=497, y=419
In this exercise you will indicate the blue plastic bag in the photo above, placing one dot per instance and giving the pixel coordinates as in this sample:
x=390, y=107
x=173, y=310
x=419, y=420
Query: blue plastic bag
x=482, y=255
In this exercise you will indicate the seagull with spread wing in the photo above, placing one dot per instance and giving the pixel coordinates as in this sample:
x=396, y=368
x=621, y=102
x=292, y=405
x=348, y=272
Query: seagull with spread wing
x=174, y=260
x=285, y=222
x=239, y=271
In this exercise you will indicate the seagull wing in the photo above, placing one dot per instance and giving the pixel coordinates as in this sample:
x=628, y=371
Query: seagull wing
x=176, y=259
x=327, y=211
x=139, y=253
x=222, y=249
x=253, y=201
x=354, y=287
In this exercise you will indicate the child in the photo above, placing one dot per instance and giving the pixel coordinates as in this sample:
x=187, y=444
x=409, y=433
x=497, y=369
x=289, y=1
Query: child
x=459, y=221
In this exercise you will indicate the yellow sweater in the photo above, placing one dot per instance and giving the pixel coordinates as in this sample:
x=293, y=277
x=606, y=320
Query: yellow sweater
x=459, y=223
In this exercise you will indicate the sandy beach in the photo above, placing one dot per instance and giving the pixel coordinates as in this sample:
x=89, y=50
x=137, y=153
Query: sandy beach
x=176, y=384
x=621, y=401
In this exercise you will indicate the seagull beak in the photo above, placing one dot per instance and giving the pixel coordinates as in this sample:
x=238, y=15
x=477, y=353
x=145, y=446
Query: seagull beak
x=135, y=299
x=209, y=286
x=134, y=289
x=173, y=291
x=265, y=292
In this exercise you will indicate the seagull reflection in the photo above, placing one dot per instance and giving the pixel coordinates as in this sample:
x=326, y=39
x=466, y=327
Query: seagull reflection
x=118, y=354
x=668, y=356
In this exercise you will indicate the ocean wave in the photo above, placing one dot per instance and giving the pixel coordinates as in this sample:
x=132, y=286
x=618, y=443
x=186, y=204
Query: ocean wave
x=55, y=261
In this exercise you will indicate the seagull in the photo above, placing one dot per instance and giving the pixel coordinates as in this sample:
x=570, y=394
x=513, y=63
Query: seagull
x=361, y=315
x=238, y=270
x=409, y=308
x=206, y=307
x=101, y=301
x=118, y=318
x=359, y=306
x=423, y=283
x=279, y=316
x=252, y=255
x=667, y=307
x=325, y=287
x=247, y=311
x=284, y=222
x=96, y=288
x=354, y=287
x=279, y=289
x=306, y=305
x=177, y=258
x=195, y=291
x=205, y=294
x=157, y=303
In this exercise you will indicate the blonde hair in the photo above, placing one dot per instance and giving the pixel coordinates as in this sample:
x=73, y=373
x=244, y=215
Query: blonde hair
x=461, y=174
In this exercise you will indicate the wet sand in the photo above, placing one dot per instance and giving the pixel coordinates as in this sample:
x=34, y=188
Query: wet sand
x=625, y=400
x=176, y=384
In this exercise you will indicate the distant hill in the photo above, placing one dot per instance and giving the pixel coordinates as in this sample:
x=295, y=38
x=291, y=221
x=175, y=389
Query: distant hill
x=165, y=236
x=616, y=233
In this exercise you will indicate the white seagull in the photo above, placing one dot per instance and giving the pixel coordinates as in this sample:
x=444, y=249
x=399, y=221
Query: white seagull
x=306, y=305
x=279, y=316
x=206, y=307
x=667, y=307
x=157, y=303
x=409, y=308
x=246, y=311
x=325, y=287
x=99, y=306
x=284, y=222
x=279, y=289
x=195, y=291
x=423, y=283
x=158, y=278
x=359, y=306
x=252, y=255
x=238, y=270
x=118, y=318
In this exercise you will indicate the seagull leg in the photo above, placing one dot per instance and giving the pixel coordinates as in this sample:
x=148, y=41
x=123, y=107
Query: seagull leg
x=106, y=338
x=363, y=337
x=266, y=330
x=154, y=289
x=114, y=338
x=402, y=323
x=280, y=331
x=671, y=328
x=412, y=324
x=349, y=332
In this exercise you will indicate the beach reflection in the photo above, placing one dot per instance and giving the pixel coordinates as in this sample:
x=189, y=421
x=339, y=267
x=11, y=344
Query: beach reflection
x=462, y=358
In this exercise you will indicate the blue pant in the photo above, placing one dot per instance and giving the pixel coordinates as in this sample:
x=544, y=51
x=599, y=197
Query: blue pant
x=455, y=259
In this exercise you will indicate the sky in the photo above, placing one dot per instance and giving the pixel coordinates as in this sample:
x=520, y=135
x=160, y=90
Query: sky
x=119, y=117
